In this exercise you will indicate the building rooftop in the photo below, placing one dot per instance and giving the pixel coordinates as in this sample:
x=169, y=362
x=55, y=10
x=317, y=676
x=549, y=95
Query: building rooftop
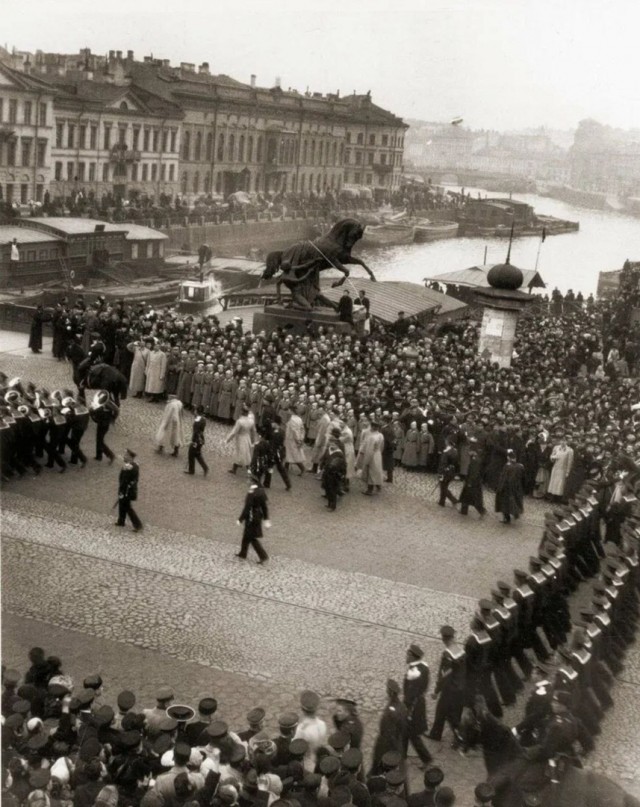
x=78, y=226
x=476, y=277
x=24, y=235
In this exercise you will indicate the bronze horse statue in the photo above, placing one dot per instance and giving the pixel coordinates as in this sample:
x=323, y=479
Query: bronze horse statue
x=301, y=264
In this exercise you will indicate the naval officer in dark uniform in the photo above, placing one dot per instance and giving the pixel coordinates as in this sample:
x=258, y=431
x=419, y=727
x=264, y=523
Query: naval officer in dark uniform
x=128, y=491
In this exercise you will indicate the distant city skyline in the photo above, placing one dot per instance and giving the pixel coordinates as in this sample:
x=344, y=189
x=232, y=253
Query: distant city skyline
x=498, y=64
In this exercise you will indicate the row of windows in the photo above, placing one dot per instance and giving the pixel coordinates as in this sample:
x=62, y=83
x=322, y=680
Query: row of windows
x=88, y=172
x=396, y=141
x=22, y=193
x=20, y=151
x=195, y=183
x=141, y=138
x=10, y=112
x=393, y=159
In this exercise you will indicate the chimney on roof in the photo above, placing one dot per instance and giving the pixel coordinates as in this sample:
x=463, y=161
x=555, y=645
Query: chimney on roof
x=112, y=55
x=188, y=67
x=337, y=93
x=204, y=69
x=166, y=62
x=253, y=80
x=148, y=59
x=118, y=54
x=278, y=82
x=129, y=55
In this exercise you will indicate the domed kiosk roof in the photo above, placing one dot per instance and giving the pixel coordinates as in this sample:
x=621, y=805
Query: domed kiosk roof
x=506, y=277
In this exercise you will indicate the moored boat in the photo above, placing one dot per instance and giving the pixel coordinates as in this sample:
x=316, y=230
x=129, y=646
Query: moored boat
x=386, y=235
x=429, y=231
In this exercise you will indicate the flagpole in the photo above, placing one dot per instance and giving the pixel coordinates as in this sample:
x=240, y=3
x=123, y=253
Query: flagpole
x=542, y=238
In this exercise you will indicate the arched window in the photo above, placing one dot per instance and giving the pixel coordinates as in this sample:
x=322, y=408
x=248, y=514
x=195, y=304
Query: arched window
x=318, y=185
x=305, y=149
x=232, y=148
x=335, y=153
x=207, y=183
x=250, y=150
x=241, y=149
x=196, y=182
x=320, y=153
x=219, y=182
x=341, y=153
x=256, y=185
x=186, y=146
x=313, y=152
x=220, y=153
x=185, y=180
x=209, y=147
x=281, y=152
x=198, y=147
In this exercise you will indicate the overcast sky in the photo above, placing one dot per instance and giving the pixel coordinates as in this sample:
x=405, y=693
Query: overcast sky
x=499, y=64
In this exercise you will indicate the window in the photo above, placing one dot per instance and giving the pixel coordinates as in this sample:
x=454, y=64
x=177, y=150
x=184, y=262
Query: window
x=241, y=149
x=58, y=171
x=13, y=110
x=59, y=134
x=335, y=153
x=145, y=172
x=9, y=192
x=185, y=180
x=369, y=179
x=93, y=138
x=120, y=170
x=207, y=183
x=70, y=169
x=134, y=172
x=1, y=109
x=92, y=172
x=71, y=136
x=383, y=159
x=370, y=156
x=358, y=157
x=259, y=150
x=156, y=140
x=174, y=138
x=42, y=115
x=232, y=148
x=154, y=172
x=107, y=136
x=105, y=172
x=348, y=137
x=372, y=139
x=385, y=140
x=250, y=150
x=42, y=153
x=347, y=156
x=357, y=177
x=145, y=146
x=149, y=249
x=321, y=153
x=196, y=182
x=82, y=137
x=163, y=172
x=26, y=152
x=136, y=138
x=28, y=107
x=186, y=146
x=39, y=192
x=172, y=172
x=209, y=148
x=134, y=251
x=11, y=151
x=122, y=135
x=165, y=140
x=313, y=152
x=219, y=182
x=198, y=147
x=360, y=138
x=81, y=171
x=220, y=152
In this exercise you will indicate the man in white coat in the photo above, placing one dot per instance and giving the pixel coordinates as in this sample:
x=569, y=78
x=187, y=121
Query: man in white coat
x=170, y=434
x=156, y=373
x=369, y=459
x=294, y=441
x=562, y=459
x=311, y=728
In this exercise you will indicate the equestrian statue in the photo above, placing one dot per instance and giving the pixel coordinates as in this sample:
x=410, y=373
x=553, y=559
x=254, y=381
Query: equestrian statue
x=301, y=264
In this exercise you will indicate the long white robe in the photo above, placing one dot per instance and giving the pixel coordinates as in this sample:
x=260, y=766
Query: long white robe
x=170, y=433
x=562, y=459
x=156, y=372
x=294, y=440
x=244, y=436
x=370, y=458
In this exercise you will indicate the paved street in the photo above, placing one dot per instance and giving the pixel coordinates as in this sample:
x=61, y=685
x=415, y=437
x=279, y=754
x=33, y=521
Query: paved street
x=335, y=609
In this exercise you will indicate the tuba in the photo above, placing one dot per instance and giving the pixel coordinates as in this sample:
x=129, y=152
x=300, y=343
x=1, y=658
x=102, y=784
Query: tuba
x=13, y=397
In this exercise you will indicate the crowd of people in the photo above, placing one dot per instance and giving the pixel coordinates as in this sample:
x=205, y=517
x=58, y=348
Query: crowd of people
x=63, y=744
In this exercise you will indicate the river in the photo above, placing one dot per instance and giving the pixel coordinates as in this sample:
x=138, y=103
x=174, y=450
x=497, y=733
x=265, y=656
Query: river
x=572, y=260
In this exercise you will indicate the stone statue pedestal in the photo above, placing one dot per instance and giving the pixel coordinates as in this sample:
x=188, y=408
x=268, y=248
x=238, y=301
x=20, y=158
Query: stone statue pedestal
x=297, y=322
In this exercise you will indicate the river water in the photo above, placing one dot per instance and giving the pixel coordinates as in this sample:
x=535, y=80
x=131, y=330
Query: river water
x=572, y=260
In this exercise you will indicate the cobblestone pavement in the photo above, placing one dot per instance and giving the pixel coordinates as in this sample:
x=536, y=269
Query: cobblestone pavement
x=337, y=605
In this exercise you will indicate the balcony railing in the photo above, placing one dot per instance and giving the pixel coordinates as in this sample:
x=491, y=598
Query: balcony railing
x=121, y=154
